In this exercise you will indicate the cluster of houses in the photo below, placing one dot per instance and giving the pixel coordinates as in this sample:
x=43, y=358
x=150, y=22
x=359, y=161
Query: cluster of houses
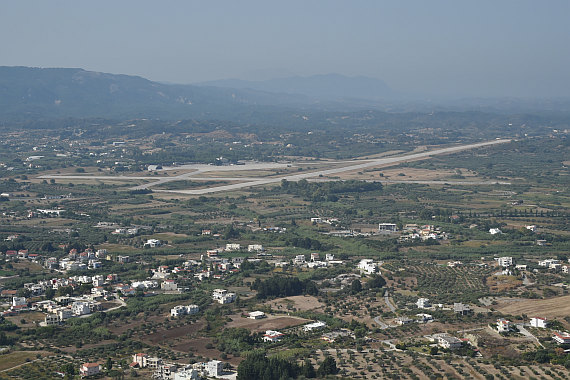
x=174, y=371
x=554, y=265
x=164, y=370
x=413, y=232
x=62, y=307
x=22, y=254
x=314, y=262
x=458, y=307
x=505, y=326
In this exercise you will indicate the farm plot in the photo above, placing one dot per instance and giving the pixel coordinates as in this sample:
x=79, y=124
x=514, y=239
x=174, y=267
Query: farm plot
x=270, y=323
x=379, y=364
x=558, y=307
x=299, y=303
x=447, y=285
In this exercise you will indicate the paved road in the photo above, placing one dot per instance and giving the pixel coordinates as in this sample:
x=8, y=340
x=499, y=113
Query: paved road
x=382, y=325
x=351, y=167
x=527, y=333
x=387, y=300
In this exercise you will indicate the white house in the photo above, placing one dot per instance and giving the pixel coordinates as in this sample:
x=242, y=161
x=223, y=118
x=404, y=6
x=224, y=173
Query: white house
x=299, y=260
x=314, y=326
x=152, y=243
x=179, y=310
x=424, y=318
x=169, y=285
x=506, y=261
x=19, y=301
x=549, y=263
x=367, y=266
x=495, y=231
x=80, y=308
x=256, y=315
x=89, y=369
x=503, y=325
x=423, y=303
x=272, y=336
x=561, y=338
x=532, y=228
x=538, y=322
x=223, y=296
x=214, y=368
x=140, y=359
x=387, y=227
x=448, y=341
x=233, y=247
x=255, y=248
x=187, y=374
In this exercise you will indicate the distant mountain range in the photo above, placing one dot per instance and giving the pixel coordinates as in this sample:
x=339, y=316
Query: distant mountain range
x=328, y=87
x=32, y=93
x=55, y=93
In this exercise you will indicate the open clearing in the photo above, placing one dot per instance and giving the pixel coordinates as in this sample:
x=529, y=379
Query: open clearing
x=300, y=303
x=558, y=307
x=14, y=359
x=272, y=322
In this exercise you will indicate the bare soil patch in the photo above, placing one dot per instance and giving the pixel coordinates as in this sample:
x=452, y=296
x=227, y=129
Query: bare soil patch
x=300, y=303
x=272, y=322
x=558, y=307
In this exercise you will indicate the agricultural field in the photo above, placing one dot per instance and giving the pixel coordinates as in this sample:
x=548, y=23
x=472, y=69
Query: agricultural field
x=292, y=248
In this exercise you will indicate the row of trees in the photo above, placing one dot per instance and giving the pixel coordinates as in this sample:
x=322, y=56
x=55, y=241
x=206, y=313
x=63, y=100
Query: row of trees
x=283, y=287
x=258, y=366
x=326, y=191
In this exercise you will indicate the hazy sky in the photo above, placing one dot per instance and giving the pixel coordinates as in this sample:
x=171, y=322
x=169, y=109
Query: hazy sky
x=476, y=48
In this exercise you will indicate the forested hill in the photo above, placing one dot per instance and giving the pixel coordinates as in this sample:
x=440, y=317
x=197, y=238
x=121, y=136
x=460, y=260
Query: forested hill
x=45, y=93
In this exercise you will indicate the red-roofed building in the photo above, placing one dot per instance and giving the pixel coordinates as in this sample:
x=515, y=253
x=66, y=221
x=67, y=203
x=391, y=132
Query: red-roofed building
x=561, y=338
x=140, y=359
x=89, y=369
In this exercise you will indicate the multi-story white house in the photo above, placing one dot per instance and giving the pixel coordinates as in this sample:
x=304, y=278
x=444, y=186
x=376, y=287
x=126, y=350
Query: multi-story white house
x=503, y=325
x=538, y=322
x=368, y=266
x=561, y=338
x=423, y=303
x=506, y=261
x=80, y=308
x=448, y=341
x=89, y=369
x=255, y=248
x=223, y=296
x=299, y=260
x=184, y=310
x=214, y=368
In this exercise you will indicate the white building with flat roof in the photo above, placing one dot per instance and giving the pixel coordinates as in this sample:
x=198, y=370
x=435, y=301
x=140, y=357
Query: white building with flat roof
x=538, y=322
x=423, y=303
x=387, y=227
x=314, y=326
x=368, y=266
x=214, y=368
x=506, y=261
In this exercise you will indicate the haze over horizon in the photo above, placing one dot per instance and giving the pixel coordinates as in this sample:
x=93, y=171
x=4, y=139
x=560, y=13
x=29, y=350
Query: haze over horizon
x=439, y=48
